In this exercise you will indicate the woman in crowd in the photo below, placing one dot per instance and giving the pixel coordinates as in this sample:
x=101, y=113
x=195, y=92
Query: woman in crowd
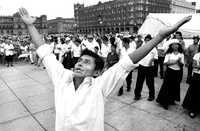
x=192, y=96
x=170, y=89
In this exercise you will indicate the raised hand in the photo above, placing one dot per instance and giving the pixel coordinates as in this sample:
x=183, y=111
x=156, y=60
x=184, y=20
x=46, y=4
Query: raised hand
x=169, y=30
x=28, y=20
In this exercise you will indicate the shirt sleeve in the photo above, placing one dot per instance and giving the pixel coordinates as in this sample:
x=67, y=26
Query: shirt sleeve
x=182, y=59
x=166, y=58
x=54, y=68
x=113, y=78
x=155, y=53
x=195, y=57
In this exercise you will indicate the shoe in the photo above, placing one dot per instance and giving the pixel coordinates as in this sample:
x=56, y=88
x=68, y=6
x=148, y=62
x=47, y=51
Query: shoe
x=128, y=89
x=165, y=106
x=120, y=93
x=137, y=98
x=192, y=114
x=150, y=98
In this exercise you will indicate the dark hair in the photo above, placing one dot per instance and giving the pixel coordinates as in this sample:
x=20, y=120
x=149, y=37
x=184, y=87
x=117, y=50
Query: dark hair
x=126, y=40
x=148, y=37
x=105, y=38
x=170, y=49
x=113, y=45
x=132, y=37
x=77, y=40
x=178, y=33
x=99, y=62
x=62, y=40
x=196, y=37
x=112, y=40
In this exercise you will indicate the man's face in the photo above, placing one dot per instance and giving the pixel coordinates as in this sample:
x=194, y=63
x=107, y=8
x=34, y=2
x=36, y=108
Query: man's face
x=84, y=67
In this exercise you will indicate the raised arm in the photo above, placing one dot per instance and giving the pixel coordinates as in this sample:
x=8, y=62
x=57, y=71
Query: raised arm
x=28, y=20
x=141, y=52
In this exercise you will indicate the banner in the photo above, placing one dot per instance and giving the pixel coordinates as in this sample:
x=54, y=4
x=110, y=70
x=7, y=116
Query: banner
x=156, y=21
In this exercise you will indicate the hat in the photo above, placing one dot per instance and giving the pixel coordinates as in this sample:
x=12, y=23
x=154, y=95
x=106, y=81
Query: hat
x=169, y=42
x=172, y=41
x=67, y=39
x=89, y=36
x=196, y=37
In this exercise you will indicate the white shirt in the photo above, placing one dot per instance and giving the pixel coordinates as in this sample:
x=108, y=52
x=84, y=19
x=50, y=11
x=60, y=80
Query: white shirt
x=174, y=57
x=9, y=49
x=83, y=109
x=105, y=49
x=58, y=48
x=197, y=59
x=2, y=45
x=146, y=61
x=90, y=45
x=76, y=50
x=66, y=48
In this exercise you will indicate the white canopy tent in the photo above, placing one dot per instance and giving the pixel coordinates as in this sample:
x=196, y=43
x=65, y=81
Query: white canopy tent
x=155, y=21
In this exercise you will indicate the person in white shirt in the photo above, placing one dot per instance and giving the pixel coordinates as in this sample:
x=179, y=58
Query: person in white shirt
x=76, y=50
x=170, y=89
x=9, y=52
x=191, y=100
x=146, y=72
x=32, y=53
x=57, y=47
x=105, y=47
x=90, y=43
x=126, y=49
x=133, y=44
x=67, y=54
x=79, y=98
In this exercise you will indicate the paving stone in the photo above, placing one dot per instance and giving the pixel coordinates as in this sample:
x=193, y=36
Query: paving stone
x=130, y=119
x=39, y=102
x=30, y=91
x=113, y=105
x=12, y=110
x=21, y=83
x=7, y=96
x=3, y=86
x=47, y=119
x=22, y=124
x=108, y=128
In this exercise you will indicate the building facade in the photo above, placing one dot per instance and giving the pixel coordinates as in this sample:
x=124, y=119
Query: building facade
x=117, y=15
x=61, y=25
x=13, y=25
x=182, y=6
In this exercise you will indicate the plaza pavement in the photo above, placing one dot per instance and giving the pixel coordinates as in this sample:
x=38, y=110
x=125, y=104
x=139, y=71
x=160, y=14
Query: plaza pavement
x=27, y=104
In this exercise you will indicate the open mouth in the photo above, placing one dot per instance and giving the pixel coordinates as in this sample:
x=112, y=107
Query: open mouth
x=77, y=70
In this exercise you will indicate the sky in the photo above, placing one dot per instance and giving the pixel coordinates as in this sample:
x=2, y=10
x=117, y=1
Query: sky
x=52, y=8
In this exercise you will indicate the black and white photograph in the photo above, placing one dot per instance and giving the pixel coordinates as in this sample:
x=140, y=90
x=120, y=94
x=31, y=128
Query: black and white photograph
x=99, y=65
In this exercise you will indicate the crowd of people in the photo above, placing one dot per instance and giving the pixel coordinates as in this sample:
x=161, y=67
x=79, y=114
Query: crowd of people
x=170, y=56
x=111, y=65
